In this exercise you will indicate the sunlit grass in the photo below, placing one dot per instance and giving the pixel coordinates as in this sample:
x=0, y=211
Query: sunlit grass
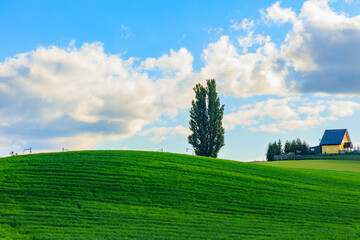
x=149, y=195
x=338, y=165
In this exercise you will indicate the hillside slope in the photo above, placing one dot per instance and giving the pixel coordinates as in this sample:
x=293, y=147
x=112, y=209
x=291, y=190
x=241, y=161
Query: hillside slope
x=148, y=195
x=337, y=165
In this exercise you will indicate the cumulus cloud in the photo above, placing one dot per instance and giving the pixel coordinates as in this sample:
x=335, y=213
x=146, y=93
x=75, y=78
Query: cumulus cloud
x=58, y=94
x=288, y=114
x=180, y=61
x=343, y=108
x=278, y=14
x=253, y=114
x=162, y=133
x=244, y=75
x=320, y=52
x=251, y=39
x=322, y=49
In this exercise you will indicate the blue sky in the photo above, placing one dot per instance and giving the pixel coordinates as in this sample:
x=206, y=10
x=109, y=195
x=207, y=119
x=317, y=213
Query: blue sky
x=119, y=74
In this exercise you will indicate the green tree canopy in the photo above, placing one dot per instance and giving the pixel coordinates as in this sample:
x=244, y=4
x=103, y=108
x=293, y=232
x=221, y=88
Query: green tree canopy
x=294, y=146
x=206, y=115
x=273, y=149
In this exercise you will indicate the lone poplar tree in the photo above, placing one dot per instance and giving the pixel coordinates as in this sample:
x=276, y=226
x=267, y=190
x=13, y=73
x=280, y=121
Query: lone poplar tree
x=206, y=115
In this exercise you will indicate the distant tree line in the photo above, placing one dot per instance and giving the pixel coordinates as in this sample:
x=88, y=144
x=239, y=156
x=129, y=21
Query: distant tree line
x=295, y=146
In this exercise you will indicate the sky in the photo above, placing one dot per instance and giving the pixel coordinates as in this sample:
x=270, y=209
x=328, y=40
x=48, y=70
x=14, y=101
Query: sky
x=120, y=74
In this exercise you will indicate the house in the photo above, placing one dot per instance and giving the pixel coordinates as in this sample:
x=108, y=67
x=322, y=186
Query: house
x=335, y=141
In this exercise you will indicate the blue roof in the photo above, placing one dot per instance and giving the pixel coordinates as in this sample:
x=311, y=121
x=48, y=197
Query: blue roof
x=333, y=136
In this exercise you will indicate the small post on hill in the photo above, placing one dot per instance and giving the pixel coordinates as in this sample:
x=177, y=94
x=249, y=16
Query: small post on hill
x=29, y=149
x=65, y=149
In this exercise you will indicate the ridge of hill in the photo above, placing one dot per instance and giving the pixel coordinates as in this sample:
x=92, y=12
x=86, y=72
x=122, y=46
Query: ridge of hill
x=152, y=195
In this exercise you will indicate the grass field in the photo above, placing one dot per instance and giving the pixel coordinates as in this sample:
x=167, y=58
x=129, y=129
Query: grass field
x=338, y=165
x=149, y=195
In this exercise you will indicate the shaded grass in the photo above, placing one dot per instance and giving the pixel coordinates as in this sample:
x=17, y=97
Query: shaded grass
x=149, y=195
x=338, y=165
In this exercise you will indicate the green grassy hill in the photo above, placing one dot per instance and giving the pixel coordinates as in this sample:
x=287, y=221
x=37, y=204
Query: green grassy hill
x=337, y=165
x=148, y=195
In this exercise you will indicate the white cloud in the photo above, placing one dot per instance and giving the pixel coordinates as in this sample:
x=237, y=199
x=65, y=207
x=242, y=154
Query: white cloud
x=272, y=108
x=162, y=133
x=244, y=75
x=288, y=114
x=343, y=108
x=303, y=124
x=250, y=40
x=320, y=15
x=64, y=96
x=311, y=110
x=180, y=61
x=323, y=48
x=7, y=144
x=318, y=54
x=245, y=24
x=271, y=128
x=280, y=15
x=81, y=141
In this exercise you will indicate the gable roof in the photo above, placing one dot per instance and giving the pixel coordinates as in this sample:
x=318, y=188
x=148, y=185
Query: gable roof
x=333, y=136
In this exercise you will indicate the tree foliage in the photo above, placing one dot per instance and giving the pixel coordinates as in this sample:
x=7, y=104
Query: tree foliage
x=295, y=146
x=206, y=115
x=273, y=149
x=279, y=147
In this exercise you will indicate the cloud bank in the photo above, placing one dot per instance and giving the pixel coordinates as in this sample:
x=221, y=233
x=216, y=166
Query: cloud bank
x=288, y=114
x=57, y=94
x=322, y=50
x=320, y=54
x=78, y=97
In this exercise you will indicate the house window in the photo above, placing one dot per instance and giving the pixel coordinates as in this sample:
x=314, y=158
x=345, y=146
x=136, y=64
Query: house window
x=334, y=148
x=327, y=149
